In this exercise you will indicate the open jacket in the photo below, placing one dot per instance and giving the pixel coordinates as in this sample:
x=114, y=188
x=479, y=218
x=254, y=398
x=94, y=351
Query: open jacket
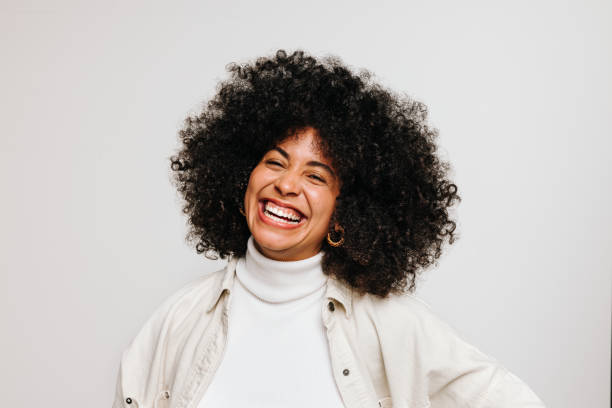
x=385, y=352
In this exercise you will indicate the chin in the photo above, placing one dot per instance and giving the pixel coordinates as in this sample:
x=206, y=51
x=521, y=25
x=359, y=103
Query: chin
x=274, y=241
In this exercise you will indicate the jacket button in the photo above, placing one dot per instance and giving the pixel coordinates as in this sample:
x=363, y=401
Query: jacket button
x=128, y=400
x=345, y=371
x=331, y=306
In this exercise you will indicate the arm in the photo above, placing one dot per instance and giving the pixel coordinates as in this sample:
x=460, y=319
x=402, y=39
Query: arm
x=460, y=375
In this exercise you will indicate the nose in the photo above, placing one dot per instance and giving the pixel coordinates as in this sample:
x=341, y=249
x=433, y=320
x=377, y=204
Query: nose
x=288, y=184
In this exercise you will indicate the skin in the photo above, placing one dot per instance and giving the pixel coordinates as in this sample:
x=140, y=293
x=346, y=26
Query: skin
x=296, y=178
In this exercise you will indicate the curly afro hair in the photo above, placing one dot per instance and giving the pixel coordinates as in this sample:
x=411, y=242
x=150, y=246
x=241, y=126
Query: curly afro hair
x=395, y=194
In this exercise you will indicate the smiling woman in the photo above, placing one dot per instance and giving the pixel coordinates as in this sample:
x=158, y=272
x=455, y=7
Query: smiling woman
x=394, y=192
x=291, y=197
x=325, y=192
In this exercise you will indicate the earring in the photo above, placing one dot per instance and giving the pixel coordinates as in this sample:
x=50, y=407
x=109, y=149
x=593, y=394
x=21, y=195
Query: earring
x=241, y=211
x=335, y=244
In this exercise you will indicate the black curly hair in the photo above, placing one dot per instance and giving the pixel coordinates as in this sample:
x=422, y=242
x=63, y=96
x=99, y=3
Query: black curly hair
x=395, y=194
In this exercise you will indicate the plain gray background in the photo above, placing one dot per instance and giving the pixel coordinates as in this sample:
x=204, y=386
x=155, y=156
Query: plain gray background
x=92, y=236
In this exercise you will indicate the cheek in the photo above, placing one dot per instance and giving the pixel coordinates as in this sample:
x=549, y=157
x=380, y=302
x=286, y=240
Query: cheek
x=325, y=205
x=250, y=196
x=261, y=179
x=255, y=181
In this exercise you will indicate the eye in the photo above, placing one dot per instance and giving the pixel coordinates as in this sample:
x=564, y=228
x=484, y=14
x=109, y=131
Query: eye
x=317, y=178
x=273, y=162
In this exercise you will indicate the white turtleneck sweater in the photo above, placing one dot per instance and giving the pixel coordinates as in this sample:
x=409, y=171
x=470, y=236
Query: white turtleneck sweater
x=277, y=353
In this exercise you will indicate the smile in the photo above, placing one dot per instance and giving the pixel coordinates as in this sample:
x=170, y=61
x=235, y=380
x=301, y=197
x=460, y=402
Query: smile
x=275, y=214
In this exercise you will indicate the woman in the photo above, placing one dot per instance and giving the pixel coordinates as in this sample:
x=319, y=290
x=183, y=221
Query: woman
x=325, y=192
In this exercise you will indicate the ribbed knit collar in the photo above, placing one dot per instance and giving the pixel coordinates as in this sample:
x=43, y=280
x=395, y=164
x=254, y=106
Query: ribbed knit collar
x=278, y=281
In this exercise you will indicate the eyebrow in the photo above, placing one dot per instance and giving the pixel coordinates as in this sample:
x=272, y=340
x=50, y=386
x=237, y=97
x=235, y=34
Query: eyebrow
x=310, y=163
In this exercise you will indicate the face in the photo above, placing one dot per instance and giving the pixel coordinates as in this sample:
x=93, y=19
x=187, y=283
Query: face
x=290, y=199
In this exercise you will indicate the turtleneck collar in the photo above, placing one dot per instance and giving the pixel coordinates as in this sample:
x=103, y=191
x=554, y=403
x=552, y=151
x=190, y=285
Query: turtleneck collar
x=278, y=281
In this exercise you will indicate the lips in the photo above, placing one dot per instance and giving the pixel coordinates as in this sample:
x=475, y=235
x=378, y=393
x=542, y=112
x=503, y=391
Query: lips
x=280, y=214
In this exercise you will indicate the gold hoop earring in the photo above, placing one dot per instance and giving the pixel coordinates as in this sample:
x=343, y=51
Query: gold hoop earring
x=242, y=211
x=336, y=244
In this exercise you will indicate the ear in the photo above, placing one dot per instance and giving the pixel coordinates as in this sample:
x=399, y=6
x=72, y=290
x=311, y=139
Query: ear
x=333, y=221
x=336, y=239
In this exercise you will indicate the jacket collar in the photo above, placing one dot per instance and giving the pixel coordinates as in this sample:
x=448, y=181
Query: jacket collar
x=336, y=289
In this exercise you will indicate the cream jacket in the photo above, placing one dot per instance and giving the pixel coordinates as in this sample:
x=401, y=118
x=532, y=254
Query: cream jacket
x=390, y=352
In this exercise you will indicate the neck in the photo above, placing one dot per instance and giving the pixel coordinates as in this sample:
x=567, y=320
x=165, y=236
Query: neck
x=282, y=255
x=280, y=281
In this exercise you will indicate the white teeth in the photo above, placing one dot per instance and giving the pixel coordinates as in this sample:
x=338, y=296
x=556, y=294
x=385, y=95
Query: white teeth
x=276, y=213
x=278, y=219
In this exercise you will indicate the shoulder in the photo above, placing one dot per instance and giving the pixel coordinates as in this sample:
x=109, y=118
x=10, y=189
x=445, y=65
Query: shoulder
x=405, y=302
x=197, y=294
x=411, y=335
x=409, y=319
x=179, y=309
x=401, y=312
x=163, y=337
x=406, y=322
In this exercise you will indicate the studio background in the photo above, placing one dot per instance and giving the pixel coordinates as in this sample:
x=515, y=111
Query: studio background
x=92, y=235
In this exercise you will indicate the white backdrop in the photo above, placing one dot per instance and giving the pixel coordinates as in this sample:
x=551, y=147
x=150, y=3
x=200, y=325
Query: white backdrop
x=92, y=237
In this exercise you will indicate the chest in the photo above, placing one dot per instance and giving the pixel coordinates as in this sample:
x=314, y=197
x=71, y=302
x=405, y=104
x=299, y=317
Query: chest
x=315, y=355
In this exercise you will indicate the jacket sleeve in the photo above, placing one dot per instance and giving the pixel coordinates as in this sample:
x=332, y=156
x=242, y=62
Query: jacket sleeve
x=509, y=391
x=119, y=400
x=459, y=375
x=140, y=380
x=139, y=371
